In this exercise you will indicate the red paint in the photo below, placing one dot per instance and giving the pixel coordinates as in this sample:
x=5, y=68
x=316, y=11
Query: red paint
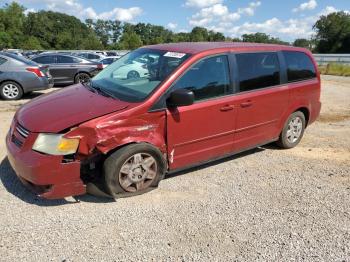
x=186, y=135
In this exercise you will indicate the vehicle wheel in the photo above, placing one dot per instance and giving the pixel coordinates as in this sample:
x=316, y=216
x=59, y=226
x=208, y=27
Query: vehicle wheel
x=133, y=74
x=11, y=91
x=81, y=78
x=134, y=169
x=293, y=130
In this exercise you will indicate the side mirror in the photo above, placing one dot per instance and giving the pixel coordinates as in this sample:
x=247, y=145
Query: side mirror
x=180, y=97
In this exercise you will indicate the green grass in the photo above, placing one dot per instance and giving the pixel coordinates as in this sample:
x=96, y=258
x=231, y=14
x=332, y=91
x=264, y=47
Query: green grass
x=335, y=69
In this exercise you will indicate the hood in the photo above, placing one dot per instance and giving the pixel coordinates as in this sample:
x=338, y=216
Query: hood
x=65, y=108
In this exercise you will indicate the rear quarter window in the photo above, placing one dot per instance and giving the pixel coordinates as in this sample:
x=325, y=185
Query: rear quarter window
x=2, y=60
x=299, y=66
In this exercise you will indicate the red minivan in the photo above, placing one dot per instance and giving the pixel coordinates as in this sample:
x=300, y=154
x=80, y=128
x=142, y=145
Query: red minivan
x=163, y=108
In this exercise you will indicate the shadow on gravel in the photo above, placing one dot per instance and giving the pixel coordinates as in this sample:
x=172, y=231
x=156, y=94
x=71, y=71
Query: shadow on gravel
x=14, y=186
x=216, y=162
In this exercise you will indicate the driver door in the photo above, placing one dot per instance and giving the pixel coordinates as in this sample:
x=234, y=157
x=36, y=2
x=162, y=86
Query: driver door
x=205, y=129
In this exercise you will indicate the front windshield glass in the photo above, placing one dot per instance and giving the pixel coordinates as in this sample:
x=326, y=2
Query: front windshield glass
x=134, y=76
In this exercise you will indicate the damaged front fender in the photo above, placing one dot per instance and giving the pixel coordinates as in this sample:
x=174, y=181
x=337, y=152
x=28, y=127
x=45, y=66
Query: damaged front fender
x=110, y=132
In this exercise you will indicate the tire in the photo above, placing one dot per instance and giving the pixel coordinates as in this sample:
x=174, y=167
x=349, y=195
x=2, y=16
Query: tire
x=10, y=90
x=130, y=170
x=293, y=130
x=133, y=75
x=81, y=78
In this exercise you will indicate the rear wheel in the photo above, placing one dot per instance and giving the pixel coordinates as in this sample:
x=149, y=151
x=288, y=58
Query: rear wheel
x=81, y=78
x=11, y=90
x=293, y=130
x=136, y=168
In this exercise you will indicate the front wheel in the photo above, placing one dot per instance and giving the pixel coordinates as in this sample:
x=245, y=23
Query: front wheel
x=293, y=130
x=134, y=169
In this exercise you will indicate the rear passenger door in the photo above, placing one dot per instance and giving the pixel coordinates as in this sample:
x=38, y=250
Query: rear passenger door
x=261, y=99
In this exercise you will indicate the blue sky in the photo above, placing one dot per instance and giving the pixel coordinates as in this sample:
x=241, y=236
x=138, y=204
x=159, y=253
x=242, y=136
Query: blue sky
x=287, y=19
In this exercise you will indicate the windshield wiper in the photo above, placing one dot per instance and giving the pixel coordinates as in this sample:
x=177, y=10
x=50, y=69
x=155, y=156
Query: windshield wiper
x=98, y=89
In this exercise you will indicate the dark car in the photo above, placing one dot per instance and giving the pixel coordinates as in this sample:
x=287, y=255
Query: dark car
x=68, y=69
x=19, y=75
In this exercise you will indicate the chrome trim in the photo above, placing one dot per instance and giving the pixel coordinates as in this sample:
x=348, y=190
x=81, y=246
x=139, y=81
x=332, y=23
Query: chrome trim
x=22, y=131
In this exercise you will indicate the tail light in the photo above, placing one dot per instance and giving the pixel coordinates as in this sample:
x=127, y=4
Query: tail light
x=100, y=66
x=36, y=71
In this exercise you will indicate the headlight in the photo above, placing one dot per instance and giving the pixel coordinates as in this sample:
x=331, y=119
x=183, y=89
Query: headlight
x=54, y=144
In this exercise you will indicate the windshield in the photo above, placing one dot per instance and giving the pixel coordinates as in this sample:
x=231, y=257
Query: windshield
x=133, y=77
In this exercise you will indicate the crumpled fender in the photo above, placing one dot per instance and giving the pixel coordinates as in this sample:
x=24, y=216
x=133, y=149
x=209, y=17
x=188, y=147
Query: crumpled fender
x=107, y=133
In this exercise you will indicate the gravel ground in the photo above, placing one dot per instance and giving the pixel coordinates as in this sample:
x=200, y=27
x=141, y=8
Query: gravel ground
x=265, y=204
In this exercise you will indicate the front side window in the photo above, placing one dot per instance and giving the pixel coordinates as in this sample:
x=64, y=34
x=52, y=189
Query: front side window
x=208, y=78
x=133, y=77
x=299, y=66
x=257, y=70
x=67, y=60
x=45, y=59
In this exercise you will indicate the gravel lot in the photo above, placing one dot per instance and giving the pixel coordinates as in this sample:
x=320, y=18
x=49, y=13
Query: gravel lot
x=265, y=204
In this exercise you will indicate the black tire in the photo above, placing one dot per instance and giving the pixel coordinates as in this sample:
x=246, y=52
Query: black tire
x=285, y=137
x=133, y=75
x=114, y=177
x=7, y=94
x=81, y=78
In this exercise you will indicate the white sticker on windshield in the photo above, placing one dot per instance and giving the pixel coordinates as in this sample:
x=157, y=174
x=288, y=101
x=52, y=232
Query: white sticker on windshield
x=174, y=54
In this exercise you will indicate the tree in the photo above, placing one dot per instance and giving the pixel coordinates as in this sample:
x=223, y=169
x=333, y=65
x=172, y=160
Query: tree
x=262, y=38
x=333, y=33
x=130, y=40
x=302, y=42
x=31, y=43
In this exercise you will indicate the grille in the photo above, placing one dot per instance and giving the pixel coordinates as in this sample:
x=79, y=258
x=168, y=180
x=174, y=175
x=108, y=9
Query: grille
x=22, y=131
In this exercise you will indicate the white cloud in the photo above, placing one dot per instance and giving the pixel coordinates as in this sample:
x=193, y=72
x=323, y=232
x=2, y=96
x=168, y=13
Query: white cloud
x=202, y=3
x=74, y=7
x=219, y=13
x=172, y=26
x=122, y=14
x=250, y=10
x=306, y=6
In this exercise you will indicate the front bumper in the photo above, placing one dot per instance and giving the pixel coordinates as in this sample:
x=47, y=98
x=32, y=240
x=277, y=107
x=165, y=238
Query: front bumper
x=48, y=176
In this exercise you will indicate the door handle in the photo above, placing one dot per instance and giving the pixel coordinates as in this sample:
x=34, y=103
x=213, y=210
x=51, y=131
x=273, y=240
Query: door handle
x=247, y=104
x=226, y=108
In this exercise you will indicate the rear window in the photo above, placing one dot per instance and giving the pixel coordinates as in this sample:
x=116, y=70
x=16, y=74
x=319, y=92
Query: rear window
x=20, y=59
x=257, y=70
x=299, y=66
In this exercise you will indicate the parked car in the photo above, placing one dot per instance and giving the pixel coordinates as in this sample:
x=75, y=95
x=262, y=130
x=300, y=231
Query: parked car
x=136, y=68
x=19, y=75
x=199, y=102
x=108, y=60
x=91, y=56
x=67, y=69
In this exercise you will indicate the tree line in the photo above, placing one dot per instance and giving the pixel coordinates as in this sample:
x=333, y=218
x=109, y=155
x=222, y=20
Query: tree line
x=53, y=30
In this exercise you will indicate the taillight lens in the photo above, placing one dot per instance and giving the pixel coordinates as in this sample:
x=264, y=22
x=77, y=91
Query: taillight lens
x=100, y=66
x=36, y=71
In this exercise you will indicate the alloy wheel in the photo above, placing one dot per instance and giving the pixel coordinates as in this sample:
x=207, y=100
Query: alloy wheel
x=138, y=172
x=10, y=91
x=295, y=128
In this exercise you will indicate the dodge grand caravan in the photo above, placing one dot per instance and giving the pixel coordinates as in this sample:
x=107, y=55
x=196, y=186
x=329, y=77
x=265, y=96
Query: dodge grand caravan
x=196, y=103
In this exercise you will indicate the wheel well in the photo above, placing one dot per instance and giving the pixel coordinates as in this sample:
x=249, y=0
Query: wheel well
x=306, y=113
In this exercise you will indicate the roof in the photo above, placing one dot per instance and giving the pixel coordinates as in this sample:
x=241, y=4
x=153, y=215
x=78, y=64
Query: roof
x=198, y=47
